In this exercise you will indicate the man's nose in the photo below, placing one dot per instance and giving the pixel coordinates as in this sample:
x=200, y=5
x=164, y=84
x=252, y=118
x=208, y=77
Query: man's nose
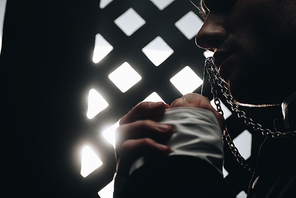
x=211, y=34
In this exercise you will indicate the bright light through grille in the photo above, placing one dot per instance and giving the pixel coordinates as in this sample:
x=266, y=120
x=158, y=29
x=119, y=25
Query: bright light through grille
x=244, y=142
x=186, y=81
x=227, y=113
x=109, y=133
x=157, y=51
x=154, y=97
x=2, y=13
x=189, y=25
x=96, y=103
x=107, y=191
x=208, y=53
x=104, y=3
x=89, y=161
x=162, y=4
x=124, y=77
x=102, y=48
x=129, y=22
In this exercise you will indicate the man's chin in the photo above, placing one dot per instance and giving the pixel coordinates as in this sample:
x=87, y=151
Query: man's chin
x=244, y=94
x=254, y=96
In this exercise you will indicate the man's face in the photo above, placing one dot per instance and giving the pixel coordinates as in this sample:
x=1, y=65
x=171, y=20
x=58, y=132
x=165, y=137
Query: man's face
x=254, y=43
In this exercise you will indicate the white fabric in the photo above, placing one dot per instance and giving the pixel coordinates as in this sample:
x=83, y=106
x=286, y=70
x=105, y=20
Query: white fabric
x=197, y=134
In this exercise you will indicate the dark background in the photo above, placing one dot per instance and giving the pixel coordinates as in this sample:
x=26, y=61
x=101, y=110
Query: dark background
x=47, y=46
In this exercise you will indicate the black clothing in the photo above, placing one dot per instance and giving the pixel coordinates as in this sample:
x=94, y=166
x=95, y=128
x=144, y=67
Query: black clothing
x=183, y=176
x=275, y=175
x=176, y=176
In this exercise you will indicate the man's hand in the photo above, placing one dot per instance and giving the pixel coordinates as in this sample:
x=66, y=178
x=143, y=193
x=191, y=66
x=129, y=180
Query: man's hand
x=137, y=135
x=198, y=101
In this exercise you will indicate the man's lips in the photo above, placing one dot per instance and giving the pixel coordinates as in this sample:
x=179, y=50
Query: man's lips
x=220, y=56
x=220, y=59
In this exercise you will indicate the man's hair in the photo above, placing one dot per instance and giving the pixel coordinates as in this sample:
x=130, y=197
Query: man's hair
x=201, y=7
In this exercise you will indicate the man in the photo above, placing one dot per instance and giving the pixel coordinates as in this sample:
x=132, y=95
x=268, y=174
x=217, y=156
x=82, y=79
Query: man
x=253, y=41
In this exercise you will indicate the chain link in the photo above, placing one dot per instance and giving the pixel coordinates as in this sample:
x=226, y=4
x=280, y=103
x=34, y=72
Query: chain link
x=218, y=84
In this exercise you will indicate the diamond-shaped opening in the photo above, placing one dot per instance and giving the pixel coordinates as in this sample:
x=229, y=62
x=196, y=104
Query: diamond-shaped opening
x=107, y=191
x=2, y=13
x=129, y=22
x=162, y=4
x=208, y=53
x=225, y=110
x=102, y=48
x=242, y=194
x=186, y=81
x=109, y=133
x=224, y=172
x=96, y=103
x=104, y=3
x=157, y=51
x=189, y=24
x=0, y=44
x=124, y=77
x=243, y=142
x=154, y=97
x=89, y=161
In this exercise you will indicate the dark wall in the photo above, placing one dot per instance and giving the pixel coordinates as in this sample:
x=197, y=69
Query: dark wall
x=47, y=46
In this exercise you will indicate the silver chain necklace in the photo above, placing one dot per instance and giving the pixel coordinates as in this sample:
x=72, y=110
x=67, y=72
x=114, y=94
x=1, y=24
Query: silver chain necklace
x=217, y=82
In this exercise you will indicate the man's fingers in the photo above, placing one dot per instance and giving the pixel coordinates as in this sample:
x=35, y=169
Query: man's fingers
x=198, y=101
x=180, y=102
x=144, y=110
x=193, y=100
x=143, y=129
x=135, y=148
x=138, y=139
x=193, y=97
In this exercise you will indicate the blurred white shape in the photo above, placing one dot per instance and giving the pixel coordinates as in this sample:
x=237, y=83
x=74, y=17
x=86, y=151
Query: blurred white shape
x=109, y=133
x=104, y=3
x=242, y=194
x=189, y=25
x=154, y=97
x=124, y=77
x=129, y=22
x=96, y=103
x=0, y=44
x=225, y=110
x=186, y=81
x=102, y=48
x=224, y=172
x=2, y=13
x=107, y=191
x=157, y=51
x=208, y=53
x=89, y=161
x=161, y=4
x=243, y=142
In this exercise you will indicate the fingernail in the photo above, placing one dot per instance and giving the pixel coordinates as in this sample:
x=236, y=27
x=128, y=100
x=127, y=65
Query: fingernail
x=164, y=147
x=163, y=127
x=154, y=104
